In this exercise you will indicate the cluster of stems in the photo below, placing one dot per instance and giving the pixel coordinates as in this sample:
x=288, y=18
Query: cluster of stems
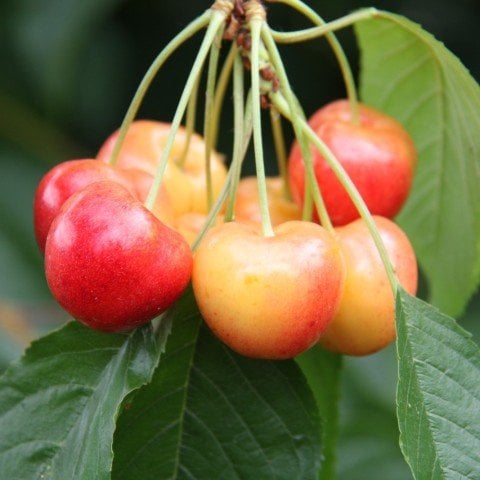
x=253, y=55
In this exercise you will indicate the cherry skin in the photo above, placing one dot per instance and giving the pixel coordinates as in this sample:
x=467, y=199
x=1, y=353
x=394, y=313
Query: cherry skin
x=185, y=184
x=190, y=224
x=365, y=321
x=140, y=182
x=59, y=183
x=247, y=203
x=110, y=262
x=268, y=297
x=377, y=154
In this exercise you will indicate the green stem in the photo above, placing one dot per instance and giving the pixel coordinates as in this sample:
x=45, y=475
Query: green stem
x=327, y=29
x=214, y=211
x=162, y=57
x=190, y=122
x=208, y=118
x=227, y=186
x=280, y=149
x=238, y=136
x=347, y=184
x=222, y=84
x=307, y=211
x=298, y=115
x=216, y=20
x=323, y=28
x=256, y=25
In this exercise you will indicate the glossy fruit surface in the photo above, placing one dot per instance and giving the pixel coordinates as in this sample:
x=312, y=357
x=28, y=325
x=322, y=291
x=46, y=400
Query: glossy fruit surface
x=185, y=184
x=110, y=262
x=247, y=206
x=365, y=321
x=268, y=297
x=59, y=183
x=377, y=154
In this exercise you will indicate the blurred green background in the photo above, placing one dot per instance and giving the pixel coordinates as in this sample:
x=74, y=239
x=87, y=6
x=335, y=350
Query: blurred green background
x=68, y=71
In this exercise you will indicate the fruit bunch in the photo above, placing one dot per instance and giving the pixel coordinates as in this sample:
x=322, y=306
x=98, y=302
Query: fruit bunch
x=277, y=264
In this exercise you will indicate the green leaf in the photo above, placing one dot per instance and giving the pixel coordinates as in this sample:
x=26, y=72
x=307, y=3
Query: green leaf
x=415, y=78
x=59, y=403
x=322, y=370
x=438, y=393
x=210, y=413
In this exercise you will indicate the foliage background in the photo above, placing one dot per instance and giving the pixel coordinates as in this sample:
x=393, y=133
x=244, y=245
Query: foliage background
x=68, y=71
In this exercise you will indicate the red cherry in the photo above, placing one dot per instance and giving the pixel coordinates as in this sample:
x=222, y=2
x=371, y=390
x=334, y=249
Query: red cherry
x=110, y=262
x=378, y=155
x=61, y=182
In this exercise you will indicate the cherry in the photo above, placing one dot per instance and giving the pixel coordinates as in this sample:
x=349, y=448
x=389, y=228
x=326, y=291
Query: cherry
x=268, y=297
x=247, y=206
x=110, y=262
x=365, y=321
x=377, y=154
x=185, y=183
x=59, y=183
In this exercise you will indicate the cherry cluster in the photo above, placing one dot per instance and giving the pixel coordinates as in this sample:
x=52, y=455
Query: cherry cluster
x=115, y=264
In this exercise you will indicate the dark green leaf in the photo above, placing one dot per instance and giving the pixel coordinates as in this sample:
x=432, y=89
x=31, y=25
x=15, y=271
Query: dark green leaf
x=59, y=403
x=438, y=393
x=210, y=413
x=410, y=75
x=322, y=370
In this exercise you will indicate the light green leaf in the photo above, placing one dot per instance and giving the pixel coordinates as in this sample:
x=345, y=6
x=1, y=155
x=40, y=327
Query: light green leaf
x=438, y=393
x=210, y=413
x=415, y=78
x=59, y=403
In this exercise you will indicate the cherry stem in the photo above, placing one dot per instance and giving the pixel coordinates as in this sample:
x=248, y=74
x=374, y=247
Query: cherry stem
x=190, y=122
x=208, y=118
x=323, y=28
x=216, y=21
x=247, y=133
x=280, y=149
x=238, y=137
x=222, y=84
x=347, y=184
x=307, y=210
x=190, y=30
x=256, y=24
x=215, y=210
x=327, y=30
x=297, y=115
